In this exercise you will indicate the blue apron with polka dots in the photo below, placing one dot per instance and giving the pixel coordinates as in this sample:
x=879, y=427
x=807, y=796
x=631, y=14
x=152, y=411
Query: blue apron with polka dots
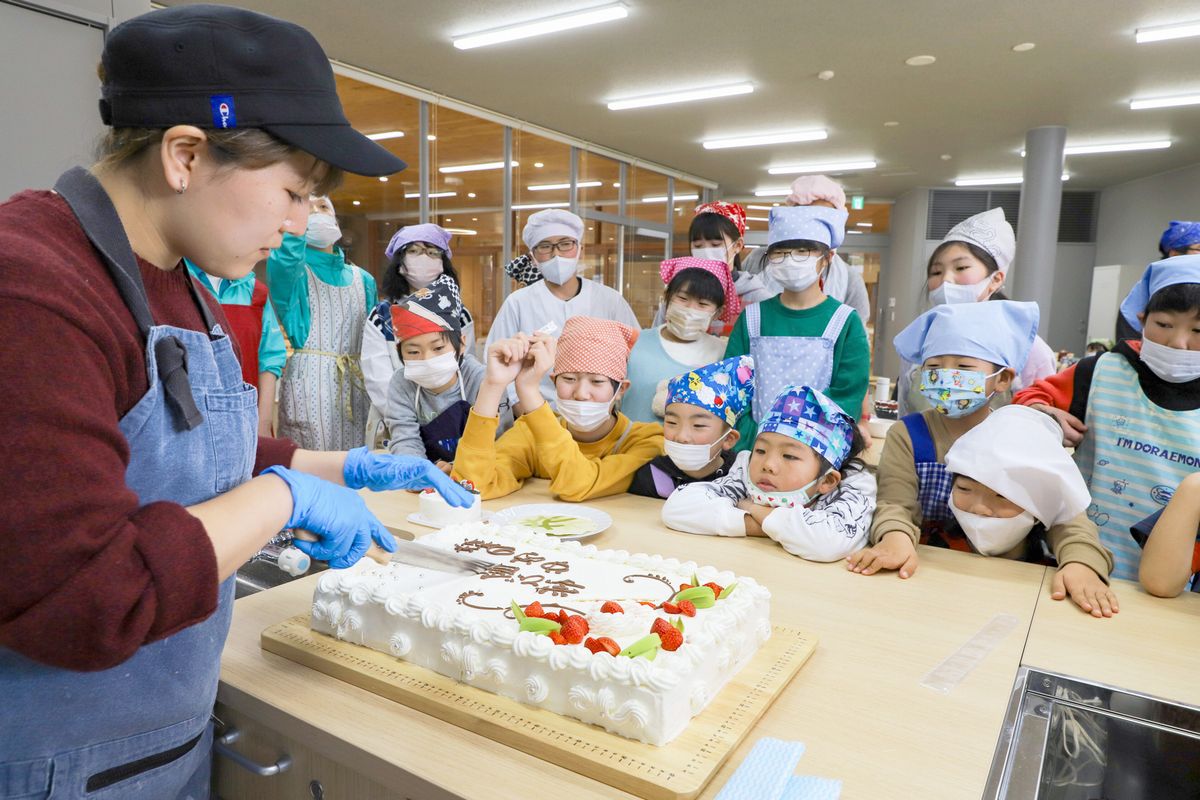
x=781, y=360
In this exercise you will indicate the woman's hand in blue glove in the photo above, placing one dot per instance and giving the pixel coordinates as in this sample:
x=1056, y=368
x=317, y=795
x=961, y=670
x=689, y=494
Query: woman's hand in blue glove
x=345, y=527
x=381, y=471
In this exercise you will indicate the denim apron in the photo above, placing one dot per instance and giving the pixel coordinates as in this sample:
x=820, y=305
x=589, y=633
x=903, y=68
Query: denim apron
x=781, y=360
x=140, y=729
x=934, y=484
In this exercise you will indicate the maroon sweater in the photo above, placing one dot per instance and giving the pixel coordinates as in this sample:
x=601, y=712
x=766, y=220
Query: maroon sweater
x=89, y=574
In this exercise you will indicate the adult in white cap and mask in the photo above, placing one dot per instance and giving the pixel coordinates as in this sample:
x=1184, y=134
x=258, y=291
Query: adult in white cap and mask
x=971, y=265
x=1017, y=494
x=554, y=239
x=322, y=301
x=841, y=281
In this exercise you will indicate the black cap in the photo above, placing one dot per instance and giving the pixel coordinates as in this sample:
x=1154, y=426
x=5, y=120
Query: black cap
x=222, y=67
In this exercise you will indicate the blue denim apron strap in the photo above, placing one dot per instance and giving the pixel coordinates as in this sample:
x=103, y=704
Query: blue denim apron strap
x=96, y=213
x=934, y=484
x=140, y=730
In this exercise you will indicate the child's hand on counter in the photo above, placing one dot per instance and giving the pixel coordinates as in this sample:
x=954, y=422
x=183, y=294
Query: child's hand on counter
x=755, y=516
x=1086, y=589
x=894, y=551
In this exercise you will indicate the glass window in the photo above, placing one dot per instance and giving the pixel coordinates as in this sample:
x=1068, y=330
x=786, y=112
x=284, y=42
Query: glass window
x=541, y=179
x=646, y=198
x=645, y=249
x=599, y=183
x=687, y=197
x=364, y=204
x=466, y=197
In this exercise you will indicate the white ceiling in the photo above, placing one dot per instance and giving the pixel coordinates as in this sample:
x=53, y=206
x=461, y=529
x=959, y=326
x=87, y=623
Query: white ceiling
x=974, y=104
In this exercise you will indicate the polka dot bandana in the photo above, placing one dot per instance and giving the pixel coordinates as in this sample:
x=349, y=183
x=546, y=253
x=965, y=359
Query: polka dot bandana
x=718, y=269
x=588, y=344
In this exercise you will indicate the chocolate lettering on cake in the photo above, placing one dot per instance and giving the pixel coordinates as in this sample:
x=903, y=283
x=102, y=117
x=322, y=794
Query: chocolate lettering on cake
x=491, y=548
x=556, y=567
x=561, y=588
x=465, y=599
x=499, y=572
x=670, y=586
x=532, y=580
x=527, y=558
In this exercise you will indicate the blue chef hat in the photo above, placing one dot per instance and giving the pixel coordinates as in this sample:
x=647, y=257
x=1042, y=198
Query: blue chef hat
x=999, y=331
x=815, y=223
x=1179, y=235
x=1159, y=275
x=723, y=389
x=804, y=414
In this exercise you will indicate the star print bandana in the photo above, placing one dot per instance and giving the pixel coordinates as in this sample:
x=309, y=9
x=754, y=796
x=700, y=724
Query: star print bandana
x=723, y=389
x=425, y=311
x=811, y=418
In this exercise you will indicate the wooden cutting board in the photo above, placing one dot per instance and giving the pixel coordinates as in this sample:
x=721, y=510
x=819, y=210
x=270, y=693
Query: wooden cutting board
x=676, y=771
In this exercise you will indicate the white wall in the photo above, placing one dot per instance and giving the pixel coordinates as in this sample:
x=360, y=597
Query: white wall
x=1133, y=215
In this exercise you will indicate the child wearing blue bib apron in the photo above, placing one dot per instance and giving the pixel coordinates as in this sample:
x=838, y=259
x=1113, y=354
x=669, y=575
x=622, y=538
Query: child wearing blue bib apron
x=801, y=336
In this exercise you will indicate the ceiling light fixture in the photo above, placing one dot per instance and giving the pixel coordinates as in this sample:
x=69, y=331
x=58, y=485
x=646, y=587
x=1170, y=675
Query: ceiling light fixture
x=475, y=167
x=379, y=137
x=757, y=219
x=356, y=202
x=549, y=187
x=859, y=233
x=1161, y=33
x=1000, y=181
x=1123, y=147
x=528, y=206
x=538, y=164
x=429, y=137
x=837, y=166
x=1023, y=47
x=663, y=198
x=411, y=195
x=761, y=208
x=461, y=231
x=383, y=179
x=780, y=192
x=769, y=138
x=682, y=96
x=920, y=61
x=1165, y=102
x=865, y=224
x=541, y=27
x=470, y=194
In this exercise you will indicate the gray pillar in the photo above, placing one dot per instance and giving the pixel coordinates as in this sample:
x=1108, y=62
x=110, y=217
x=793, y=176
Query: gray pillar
x=1037, y=226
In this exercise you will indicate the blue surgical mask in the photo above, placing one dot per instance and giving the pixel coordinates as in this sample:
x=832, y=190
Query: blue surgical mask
x=956, y=392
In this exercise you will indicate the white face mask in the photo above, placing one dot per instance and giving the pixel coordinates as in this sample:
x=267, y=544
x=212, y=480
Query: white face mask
x=585, y=415
x=421, y=270
x=432, y=373
x=993, y=536
x=781, y=499
x=687, y=323
x=796, y=274
x=955, y=293
x=693, y=457
x=559, y=269
x=1170, y=363
x=322, y=230
x=718, y=253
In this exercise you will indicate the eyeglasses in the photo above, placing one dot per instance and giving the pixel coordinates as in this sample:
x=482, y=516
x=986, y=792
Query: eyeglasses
x=564, y=246
x=418, y=249
x=798, y=253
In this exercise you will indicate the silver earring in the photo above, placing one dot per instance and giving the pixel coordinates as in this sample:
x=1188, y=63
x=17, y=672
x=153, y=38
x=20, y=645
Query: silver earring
x=182, y=187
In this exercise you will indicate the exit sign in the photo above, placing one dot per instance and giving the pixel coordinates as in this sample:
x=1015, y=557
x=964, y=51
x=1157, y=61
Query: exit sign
x=856, y=202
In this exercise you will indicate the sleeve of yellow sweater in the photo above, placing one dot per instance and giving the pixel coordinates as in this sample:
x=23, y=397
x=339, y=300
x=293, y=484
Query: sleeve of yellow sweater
x=575, y=477
x=897, y=507
x=496, y=467
x=1078, y=540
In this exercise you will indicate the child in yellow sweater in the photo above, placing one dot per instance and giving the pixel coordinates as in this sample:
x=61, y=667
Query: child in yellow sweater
x=593, y=450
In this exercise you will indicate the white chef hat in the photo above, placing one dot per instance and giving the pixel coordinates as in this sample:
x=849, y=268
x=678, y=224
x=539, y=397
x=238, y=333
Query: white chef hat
x=551, y=222
x=990, y=231
x=1017, y=452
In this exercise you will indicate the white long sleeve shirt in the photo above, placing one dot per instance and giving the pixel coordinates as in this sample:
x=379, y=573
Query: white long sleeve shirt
x=829, y=530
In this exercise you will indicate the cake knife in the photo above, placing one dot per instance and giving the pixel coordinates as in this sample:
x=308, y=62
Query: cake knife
x=416, y=554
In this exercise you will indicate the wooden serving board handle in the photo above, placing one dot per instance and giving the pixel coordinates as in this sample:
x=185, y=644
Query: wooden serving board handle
x=374, y=552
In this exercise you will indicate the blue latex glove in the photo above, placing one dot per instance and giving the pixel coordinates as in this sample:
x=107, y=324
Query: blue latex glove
x=382, y=471
x=337, y=515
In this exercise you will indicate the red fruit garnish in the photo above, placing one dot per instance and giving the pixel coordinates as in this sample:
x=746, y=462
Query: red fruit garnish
x=687, y=608
x=607, y=645
x=672, y=638
x=592, y=645
x=670, y=608
x=535, y=609
x=716, y=587
x=557, y=637
x=574, y=629
x=562, y=617
x=647, y=603
x=661, y=626
x=683, y=586
x=610, y=607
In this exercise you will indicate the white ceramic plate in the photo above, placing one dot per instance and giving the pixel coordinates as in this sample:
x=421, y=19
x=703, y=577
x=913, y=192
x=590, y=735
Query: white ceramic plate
x=418, y=519
x=559, y=520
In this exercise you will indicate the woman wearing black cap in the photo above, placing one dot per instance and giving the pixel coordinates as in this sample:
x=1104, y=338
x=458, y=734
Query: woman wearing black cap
x=129, y=496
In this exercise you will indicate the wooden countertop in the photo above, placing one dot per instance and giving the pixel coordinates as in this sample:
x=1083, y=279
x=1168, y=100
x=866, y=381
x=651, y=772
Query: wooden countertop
x=857, y=705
